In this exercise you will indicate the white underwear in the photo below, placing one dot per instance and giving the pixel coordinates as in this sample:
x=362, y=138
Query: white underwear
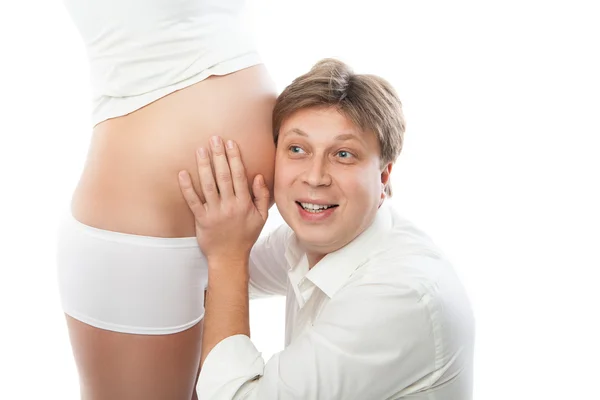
x=130, y=283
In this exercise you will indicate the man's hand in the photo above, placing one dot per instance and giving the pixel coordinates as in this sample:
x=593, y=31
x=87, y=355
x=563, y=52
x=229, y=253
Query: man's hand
x=229, y=222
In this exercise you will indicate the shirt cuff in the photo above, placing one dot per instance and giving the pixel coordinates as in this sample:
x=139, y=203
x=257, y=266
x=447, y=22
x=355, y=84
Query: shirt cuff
x=230, y=365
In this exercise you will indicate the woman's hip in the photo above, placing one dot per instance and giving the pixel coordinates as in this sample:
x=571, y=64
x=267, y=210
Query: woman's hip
x=130, y=283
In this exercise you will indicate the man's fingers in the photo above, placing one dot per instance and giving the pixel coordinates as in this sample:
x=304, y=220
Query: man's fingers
x=207, y=182
x=238, y=171
x=222, y=172
x=190, y=195
x=261, y=196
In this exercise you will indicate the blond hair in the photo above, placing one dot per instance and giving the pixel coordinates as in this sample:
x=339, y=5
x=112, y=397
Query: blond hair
x=369, y=101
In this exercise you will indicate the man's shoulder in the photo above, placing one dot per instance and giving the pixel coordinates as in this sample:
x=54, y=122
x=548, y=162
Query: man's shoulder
x=425, y=280
x=417, y=268
x=407, y=257
x=403, y=240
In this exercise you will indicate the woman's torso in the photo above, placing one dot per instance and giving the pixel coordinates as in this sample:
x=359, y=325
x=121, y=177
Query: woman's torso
x=129, y=183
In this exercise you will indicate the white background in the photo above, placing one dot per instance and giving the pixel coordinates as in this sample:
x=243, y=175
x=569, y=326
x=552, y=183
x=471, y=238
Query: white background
x=500, y=167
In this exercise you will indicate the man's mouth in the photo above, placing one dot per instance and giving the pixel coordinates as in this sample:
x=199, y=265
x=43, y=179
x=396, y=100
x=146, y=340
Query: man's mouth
x=315, y=208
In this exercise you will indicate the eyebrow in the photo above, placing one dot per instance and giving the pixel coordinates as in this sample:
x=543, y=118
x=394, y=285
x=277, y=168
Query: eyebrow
x=343, y=136
x=347, y=136
x=296, y=131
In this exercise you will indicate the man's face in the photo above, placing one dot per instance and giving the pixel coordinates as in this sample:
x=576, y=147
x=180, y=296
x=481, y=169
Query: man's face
x=328, y=179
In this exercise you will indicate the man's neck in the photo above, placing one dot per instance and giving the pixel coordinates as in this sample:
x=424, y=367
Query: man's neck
x=313, y=259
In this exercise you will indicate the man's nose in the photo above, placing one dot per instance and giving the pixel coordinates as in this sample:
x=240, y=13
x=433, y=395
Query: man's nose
x=317, y=173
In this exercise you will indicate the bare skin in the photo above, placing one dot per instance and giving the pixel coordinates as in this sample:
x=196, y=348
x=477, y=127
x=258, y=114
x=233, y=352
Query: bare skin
x=130, y=185
x=116, y=365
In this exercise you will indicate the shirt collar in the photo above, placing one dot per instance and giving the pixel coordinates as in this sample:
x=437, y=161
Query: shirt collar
x=332, y=272
x=302, y=287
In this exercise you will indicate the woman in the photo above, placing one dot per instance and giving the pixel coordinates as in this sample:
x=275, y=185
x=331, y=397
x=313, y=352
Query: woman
x=167, y=75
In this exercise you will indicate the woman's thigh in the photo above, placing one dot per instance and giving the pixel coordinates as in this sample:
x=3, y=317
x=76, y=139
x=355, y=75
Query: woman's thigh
x=134, y=307
x=122, y=366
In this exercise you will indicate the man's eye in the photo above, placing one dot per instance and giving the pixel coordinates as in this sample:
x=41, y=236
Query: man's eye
x=296, y=149
x=344, y=154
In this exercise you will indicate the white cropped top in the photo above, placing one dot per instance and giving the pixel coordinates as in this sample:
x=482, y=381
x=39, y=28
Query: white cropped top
x=142, y=50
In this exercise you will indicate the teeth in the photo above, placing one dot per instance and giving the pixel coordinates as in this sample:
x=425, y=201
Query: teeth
x=314, y=207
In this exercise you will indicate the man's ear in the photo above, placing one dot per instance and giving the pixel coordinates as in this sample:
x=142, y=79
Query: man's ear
x=385, y=179
x=385, y=173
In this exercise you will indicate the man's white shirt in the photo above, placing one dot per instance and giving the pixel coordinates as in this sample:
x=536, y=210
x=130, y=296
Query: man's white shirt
x=384, y=317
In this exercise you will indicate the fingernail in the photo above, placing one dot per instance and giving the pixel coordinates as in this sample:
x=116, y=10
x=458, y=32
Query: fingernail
x=202, y=152
x=183, y=176
x=230, y=144
x=215, y=140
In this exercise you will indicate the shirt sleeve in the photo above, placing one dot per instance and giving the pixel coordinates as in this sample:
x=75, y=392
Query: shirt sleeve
x=268, y=264
x=371, y=341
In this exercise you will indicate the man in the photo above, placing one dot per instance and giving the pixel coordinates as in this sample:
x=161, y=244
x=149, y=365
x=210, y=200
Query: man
x=374, y=311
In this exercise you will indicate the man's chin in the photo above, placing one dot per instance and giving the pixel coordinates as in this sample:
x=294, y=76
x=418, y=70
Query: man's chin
x=318, y=242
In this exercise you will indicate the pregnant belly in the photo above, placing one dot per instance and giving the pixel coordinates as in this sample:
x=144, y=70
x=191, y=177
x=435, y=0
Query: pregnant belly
x=129, y=183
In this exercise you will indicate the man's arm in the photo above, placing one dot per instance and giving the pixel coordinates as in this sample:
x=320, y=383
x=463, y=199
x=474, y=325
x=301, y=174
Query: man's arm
x=226, y=306
x=228, y=224
x=371, y=341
